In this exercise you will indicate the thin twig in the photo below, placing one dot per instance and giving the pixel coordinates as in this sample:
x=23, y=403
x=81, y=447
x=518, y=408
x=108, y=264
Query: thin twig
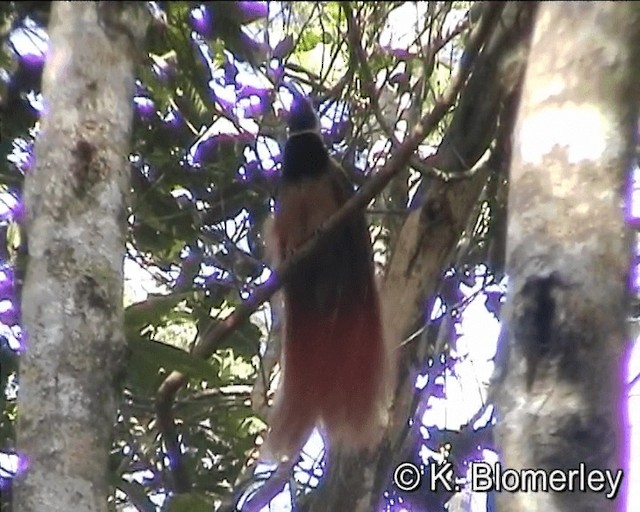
x=359, y=58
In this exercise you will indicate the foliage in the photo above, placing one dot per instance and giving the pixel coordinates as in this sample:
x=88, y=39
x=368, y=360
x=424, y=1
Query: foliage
x=211, y=106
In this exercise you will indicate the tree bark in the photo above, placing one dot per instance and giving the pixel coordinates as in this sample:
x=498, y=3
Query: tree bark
x=560, y=398
x=76, y=224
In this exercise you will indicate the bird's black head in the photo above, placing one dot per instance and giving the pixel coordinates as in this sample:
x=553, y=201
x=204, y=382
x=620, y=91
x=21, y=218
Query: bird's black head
x=302, y=117
x=305, y=155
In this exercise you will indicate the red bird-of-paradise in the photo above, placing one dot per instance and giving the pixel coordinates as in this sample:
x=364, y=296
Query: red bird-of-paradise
x=336, y=365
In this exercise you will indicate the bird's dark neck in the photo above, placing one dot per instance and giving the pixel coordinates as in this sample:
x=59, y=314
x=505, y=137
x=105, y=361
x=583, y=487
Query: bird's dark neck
x=305, y=156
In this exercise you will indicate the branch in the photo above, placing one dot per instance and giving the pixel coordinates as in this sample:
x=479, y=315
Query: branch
x=216, y=333
x=271, y=488
x=358, y=57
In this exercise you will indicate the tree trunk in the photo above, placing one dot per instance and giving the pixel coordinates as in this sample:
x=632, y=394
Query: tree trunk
x=76, y=225
x=560, y=400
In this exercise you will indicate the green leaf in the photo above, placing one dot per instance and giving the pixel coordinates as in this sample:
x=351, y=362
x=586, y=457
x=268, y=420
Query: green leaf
x=308, y=41
x=244, y=341
x=155, y=354
x=151, y=311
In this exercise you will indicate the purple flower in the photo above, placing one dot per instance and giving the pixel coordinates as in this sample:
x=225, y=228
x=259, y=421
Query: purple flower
x=28, y=75
x=174, y=120
x=25, y=160
x=9, y=314
x=283, y=48
x=253, y=110
x=11, y=209
x=20, y=338
x=398, y=53
x=201, y=21
x=252, y=11
x=207, y=150
x=19, y=212
x=145, y=108
x=140, y=90
x=494, y=302
x=249, y=90
x=7, y=284
x=32, y=64
x=230, y=72
x=264, y=99
x=22, y=464
x=275, y=72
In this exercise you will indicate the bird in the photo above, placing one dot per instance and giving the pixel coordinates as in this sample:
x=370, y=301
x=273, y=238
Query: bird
x=335, y=363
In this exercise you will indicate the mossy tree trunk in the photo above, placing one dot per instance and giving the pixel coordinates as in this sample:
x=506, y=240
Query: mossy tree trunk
x=561, y=398
x=76, y=224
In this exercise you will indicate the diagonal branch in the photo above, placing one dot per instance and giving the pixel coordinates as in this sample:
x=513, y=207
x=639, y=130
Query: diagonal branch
x=215, y=333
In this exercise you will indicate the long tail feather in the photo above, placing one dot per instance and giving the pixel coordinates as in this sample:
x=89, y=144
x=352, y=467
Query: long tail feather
x=334, y=374
x=354, y=358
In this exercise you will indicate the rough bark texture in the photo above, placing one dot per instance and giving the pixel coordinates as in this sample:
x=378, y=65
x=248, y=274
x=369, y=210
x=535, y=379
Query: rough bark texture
x=76, y=221
x=560, y=403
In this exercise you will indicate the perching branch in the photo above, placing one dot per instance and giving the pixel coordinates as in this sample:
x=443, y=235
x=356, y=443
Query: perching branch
x=213, y=336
